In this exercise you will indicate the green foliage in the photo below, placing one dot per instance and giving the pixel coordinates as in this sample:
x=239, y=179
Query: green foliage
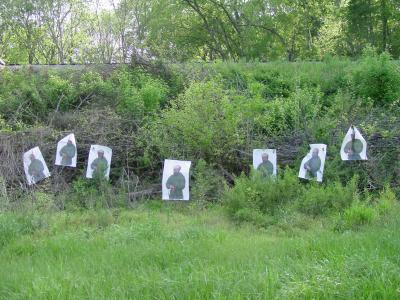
x=200, y=122
x=84, y=193
x=330, y=198
x=20, y=98
x=4, y=126
x=43, y=201
x=209, y=121
x=258, y=196
x=294, y=112
x=59, y=93
x=280, y=79
x=94, y=87
x=208, y=184
x=187, y=31
x=139, y=93
x=95, y=193
x=30, y=98
x=100, y=218
x=12, y=226
x=250, y=215
x=358, y=214
x=378, y=78
x=267, y=197
x=216, y=113
x=387, y=201
x=232, y=75
x=274, y=84
x=27, y=97
x=366, y=212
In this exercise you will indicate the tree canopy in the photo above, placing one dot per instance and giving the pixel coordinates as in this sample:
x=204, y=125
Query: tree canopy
x=82, y=31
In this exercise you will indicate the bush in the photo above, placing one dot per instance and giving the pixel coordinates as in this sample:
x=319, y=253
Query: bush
x=94, y=193
x=201, y=122
x=291, y=113
x=208, y=184
x=280, y=79
x=386, y=201
x=29, y=97
x=274, y=84
x=138, y=93
x=20, y=98
x=333, y=197
x=269, y=196
x=376, y=77
x=367, y=211
x=231, y=75
x=95, y=89
x=211, y=123
x=59, y=93
x=249, y=215
x=260, y=195
x=227, y=110
x=43, y=201
x=357, y=215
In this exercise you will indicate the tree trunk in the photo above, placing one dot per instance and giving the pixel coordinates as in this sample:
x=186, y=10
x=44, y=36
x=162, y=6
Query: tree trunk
x=384, y=19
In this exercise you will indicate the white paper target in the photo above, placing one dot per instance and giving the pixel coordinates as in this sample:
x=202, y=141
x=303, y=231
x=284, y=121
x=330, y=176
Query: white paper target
x=99, y=161
x=34, y=166
x=264, y=160
x=354, y=146
x=66, y=155
x=312, y=165
x=175, y=181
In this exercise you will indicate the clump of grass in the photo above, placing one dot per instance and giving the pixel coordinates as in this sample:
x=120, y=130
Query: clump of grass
x=367, y=211
x=357, y=215
x=387, y=201
x=256, y=199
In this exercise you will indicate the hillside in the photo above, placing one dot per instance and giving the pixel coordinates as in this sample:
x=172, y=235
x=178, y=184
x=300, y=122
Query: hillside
x=242, y=234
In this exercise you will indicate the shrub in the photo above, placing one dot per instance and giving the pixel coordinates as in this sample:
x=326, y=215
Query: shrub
x=94, y=193
x=83, y=194
x=201, y=122
x=58, y=93
x=43, y=201
x=261, y=195
x=355, y=216
x=279, y=79
x=231, y=75
x=92, y=88
x=138, y=93
x=249, y=215
x=208, y=184
x=269, y=197
x=386, y=201
x=210, y=122
x=274, y=84
x=376, y=77
x=4, y=126
x=29, y=97
x=293, y=112
x=20, y=99
x=333, y=197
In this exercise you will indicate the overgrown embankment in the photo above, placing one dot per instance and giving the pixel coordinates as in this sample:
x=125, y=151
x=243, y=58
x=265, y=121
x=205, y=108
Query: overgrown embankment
x=212, y=114
x=296, y=239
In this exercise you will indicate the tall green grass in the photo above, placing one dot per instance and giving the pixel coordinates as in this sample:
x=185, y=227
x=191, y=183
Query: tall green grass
x=166, y=253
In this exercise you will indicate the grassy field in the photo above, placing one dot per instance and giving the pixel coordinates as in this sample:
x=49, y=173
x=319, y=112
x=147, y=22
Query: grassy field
x=174, y=253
